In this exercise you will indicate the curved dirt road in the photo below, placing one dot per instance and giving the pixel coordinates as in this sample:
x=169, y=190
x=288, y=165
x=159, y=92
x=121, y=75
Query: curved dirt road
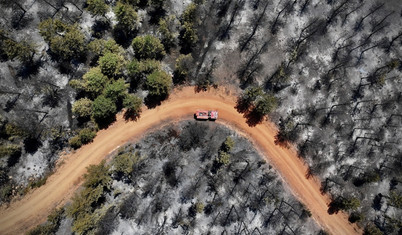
x=34, y=207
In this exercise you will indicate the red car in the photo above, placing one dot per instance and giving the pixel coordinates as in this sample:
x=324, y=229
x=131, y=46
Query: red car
x=206, y=115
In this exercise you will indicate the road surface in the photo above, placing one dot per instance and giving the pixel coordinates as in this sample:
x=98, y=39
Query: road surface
x=33, y=209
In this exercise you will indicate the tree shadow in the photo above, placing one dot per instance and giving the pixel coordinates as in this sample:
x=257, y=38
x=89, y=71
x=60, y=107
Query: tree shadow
x=151, y=101
x=14, y=158
x=242, y=105
x=32, y=144
x=215, y=167
x=51, y=98
x=253, y=118
x=100, y=27
x=156, y=15
x=377, y=204
x=281, y=141
x=105, y=122
x=334, y=207
x=122, y=36
x=131, y=115
x=29, y=69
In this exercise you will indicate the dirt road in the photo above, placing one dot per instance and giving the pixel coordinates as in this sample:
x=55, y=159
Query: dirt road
x=34, y=207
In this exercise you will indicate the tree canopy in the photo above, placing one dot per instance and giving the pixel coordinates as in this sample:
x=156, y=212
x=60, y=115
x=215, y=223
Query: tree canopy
x=133, y=105
x=100, y=47
x=111, y=64
x=182, y=67
x=126, y=16
x=97, y=7
x=116, y=90
x=103, y=110
x=148, y=47
x=94, y=82
x=65, y=40
x=266, y=104
x=82, y=107
x=158, y=83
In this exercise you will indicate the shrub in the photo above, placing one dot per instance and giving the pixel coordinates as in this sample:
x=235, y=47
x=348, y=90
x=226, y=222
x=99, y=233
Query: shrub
x=82, y=107
x=75, y=142
x=10, y=150
x=123, y=163
x=85, y=136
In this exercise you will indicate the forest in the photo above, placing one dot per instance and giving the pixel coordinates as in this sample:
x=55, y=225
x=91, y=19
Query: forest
x=327, y=73
x=186, y=178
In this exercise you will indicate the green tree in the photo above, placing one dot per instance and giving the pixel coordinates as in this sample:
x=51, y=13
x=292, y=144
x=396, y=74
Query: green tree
x=94, y=82
x=124, y=163
x=133, y=105
x=190, y=13
x=395, y=199
x=75, y=142
x=97, y=7
x=13, y=132
x=148, y=47
x=223, y=157
x=100, y=47
x=182, y=67
x=82, y=107
x=98, y=175
x=24, y=51
x=52, y=224
x=10, y=150
x=84, y=203
x=116, y=91
x=252, y=93
x=349, y=203
x=266, y=104
x=66, y=41
x=166, y=29
x=126, y=16
x=228, y=145
x=49, y=28
x=148, y=66
x=371, y=229
x=188, y=36
x=138, y=70
x=158, y=83
x=246, y=101
x=87, y=135
x=111, y=64
x=103, y=110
